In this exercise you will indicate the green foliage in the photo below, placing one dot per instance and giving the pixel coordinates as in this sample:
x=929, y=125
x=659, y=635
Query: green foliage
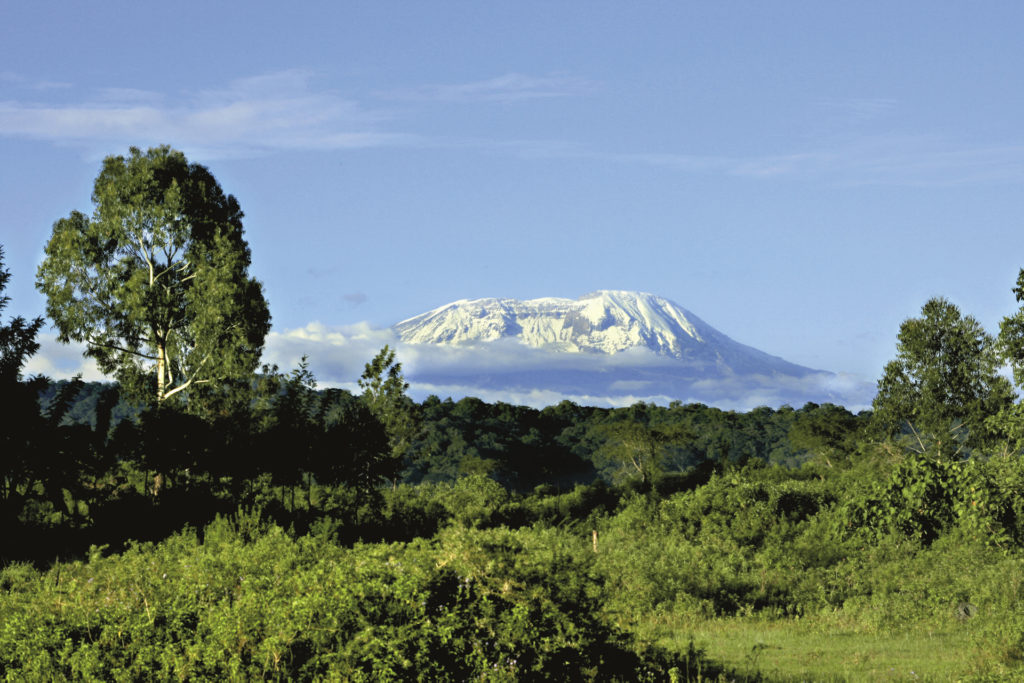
x=155, y=282
x=19, y=469
x=634, y=447
x=495, y=584
x=1011, y=334
x=497, y=605
x=17, y=338
x=945, y=372
x=355, y=450
x=829, y=431
x=928, y=494
x=732, y=545
x=476, y=501
x=515, y=445
x=384, y=390
x=916, y=502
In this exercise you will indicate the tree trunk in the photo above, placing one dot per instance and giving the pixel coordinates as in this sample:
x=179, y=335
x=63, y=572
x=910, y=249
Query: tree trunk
x=161, y=372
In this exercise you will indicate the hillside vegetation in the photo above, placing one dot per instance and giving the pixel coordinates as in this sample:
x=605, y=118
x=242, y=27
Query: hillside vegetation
x=640, y=543
x=206, y=519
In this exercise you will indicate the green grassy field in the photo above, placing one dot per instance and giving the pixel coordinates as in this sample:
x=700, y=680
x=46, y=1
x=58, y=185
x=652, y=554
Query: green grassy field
x=823, y=649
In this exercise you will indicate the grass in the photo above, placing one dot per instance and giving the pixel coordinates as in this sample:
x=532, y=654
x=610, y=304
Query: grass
x=819, y=649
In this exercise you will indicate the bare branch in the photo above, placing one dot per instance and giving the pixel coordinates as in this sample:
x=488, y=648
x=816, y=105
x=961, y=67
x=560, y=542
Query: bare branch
x=192, y=379
x=115, y=347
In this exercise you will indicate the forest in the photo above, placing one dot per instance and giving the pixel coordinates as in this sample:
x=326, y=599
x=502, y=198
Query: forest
x=205, y=517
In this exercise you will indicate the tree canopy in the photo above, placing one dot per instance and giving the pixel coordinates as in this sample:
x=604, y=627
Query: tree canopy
x=21, y=413
x=155, y=282
x=1011, y=334
x=633, y=446
x=18, y=338
x=945, y=372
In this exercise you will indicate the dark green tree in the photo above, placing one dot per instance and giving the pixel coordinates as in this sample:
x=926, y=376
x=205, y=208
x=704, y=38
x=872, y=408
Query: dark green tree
x=40, y=456
x=1011, y=334
x=384, y=389
x=156, y=281
x=1009, y=423
x=634, y=446
x=828, y=431
x=18, y=338
x=945, y=373
x=18, y=468
x=293, y=440
x=359, y=456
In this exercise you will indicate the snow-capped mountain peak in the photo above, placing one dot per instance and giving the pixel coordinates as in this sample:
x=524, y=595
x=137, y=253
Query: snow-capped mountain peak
x=607, y=343
x=606, y=321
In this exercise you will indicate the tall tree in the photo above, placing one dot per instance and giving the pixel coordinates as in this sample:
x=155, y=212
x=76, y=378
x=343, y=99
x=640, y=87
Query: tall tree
x=1011, y=334
x=18, y=338
x=827, y=431
x=292, y=441
x=945, y=373
x=634, y=447
x=156, y=281
x=21, y=409
x=1009, y=423
x=384, y=389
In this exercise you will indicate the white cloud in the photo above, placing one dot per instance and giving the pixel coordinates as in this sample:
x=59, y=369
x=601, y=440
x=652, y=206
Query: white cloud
x=900, y=160
x=337, y=355
x=128, y=95
x=62, y=361
x=495, y=372
x=511, y=372
x=283, y=110
x=277, y=111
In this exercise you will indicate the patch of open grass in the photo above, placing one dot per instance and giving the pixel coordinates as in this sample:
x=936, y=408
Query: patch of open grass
x=825, y=649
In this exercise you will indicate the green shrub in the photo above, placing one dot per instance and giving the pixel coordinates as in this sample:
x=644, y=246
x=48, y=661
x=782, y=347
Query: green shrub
x=251, y=602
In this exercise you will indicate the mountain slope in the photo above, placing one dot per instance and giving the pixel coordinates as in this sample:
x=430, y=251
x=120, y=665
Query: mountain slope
x=605, y=322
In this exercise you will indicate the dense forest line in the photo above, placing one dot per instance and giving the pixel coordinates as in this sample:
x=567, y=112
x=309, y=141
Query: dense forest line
x=204, y=518
x=88, y=456
x=793, y=517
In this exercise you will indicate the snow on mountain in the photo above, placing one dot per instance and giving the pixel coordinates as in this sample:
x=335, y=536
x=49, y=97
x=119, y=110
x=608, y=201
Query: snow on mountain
x=606, y=322
x=609, y=348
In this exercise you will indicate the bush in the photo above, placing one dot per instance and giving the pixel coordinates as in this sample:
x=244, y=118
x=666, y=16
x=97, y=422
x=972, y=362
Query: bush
x=251, y=602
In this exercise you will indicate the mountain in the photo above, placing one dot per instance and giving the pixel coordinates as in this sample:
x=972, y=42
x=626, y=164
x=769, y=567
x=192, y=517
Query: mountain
x=601, y=322
x=609, y=347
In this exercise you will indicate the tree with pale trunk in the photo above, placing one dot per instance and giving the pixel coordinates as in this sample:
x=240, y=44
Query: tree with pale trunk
x=633, y=447
x=155, y=282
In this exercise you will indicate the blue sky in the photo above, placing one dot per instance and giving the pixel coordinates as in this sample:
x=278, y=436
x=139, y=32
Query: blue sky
x=801, y=175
